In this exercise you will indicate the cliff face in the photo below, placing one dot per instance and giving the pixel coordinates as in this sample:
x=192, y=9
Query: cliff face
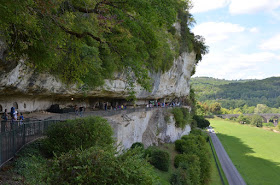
x=32, y=91
x=148, y=127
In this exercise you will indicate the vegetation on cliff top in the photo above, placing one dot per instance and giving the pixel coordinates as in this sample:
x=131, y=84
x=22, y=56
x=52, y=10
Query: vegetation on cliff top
x=86, y=41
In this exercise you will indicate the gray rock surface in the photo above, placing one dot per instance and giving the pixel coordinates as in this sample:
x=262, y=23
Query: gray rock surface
x=37, y=91
x=148, y=127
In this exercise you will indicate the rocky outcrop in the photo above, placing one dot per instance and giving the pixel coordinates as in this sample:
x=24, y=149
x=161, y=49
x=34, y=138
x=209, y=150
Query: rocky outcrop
x=148, y=127
x=32, y=91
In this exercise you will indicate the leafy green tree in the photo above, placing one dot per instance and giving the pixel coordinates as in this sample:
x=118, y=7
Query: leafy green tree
x=243, y=119
x=86, y=41
x=261, y=108
x=256, y=120
x=200, y=121
x=79, y=133
x=237, y=111
x=101, y=166
x=215, y=108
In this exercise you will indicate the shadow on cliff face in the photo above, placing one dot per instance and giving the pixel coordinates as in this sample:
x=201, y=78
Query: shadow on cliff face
x=254, y=170
x=5, y=66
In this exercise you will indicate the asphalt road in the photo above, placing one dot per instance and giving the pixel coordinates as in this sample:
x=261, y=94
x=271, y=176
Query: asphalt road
x=232, y=175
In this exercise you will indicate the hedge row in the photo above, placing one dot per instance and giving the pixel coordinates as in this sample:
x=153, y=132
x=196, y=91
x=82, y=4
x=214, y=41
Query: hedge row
x=193, y=160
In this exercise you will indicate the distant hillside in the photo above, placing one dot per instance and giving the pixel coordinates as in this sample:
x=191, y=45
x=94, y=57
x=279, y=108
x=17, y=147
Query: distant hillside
x=236, y=93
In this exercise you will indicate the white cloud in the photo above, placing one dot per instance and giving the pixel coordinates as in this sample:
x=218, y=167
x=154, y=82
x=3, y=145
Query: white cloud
x=207, y=5
x=271, y=44
x=254, y=58
x=217, y=31
x=236, y=66
x=254, y=30
x=252, y=6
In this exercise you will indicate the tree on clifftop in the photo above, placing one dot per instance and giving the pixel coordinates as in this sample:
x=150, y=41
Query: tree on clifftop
x=85, y=41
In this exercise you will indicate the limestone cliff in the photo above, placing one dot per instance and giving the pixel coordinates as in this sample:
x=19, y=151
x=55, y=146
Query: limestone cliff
x=29, y=90
x=148, y=127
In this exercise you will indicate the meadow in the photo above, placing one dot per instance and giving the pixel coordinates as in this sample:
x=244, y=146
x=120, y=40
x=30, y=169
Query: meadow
x=254, y=151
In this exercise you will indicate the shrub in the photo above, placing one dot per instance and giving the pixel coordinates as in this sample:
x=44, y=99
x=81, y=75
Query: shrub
x=158, y=158
x=30, y=161
x=179, y=117
x=78, y=133
x=180, y=176
x=191, y=145
x=180, y=158
x=268, y=124
x=200, y=133
x=256, y=120
x=201, y=121
x=204, y=164
x=243, y=119
x=101, y=166
x=182, y=117
x=137, y=145
x=180, y=145
x=191, y=164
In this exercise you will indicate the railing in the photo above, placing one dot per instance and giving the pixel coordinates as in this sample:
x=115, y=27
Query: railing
x=13, y=139
x=102, y=113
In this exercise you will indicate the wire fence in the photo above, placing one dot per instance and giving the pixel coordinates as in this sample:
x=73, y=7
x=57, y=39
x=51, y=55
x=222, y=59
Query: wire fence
x=15, y=135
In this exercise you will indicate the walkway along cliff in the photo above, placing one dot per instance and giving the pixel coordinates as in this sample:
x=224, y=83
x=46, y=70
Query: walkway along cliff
x=28, y=90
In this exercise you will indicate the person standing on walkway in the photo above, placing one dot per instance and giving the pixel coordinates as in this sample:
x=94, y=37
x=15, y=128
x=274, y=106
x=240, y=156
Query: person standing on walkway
x=105, y=106
x=76, y=110
x=21, y=118
x=4, y=125
x=81, y=110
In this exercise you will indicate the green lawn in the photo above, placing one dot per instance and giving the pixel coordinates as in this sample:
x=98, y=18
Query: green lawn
x=254, y=151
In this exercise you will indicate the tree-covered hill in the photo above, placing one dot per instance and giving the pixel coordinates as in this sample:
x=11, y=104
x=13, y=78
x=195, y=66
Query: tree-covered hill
x=237, y=93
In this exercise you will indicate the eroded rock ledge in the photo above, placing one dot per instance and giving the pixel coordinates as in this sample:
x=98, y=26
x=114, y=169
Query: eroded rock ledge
x=148, y=127
x=28, y=90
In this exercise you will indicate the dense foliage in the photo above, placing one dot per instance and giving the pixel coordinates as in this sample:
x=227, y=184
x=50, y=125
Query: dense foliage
x=85, y=41
x=194, y=158
x=182, y=117
x=255, y=120
x=97, y=163
x=137, y=145
x=29, y=161
x=158, y=158
x=237, y=94
x=200, y=121
x=101, y=166
x=79, y=133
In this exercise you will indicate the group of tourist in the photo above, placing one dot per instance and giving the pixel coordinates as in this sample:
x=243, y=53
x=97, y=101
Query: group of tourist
x=158, y=104
x=15, y=117
x=79, y=110
x=14, y=114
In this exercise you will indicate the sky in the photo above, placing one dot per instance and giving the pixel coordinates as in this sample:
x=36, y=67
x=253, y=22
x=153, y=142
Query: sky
x=243, y=38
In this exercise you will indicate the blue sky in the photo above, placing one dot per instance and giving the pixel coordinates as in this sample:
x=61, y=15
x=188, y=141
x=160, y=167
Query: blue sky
x=243, y=37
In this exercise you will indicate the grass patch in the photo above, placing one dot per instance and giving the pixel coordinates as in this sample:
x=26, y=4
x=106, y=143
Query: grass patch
x=254, y=151
x=165, y=176
x=31, y=164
